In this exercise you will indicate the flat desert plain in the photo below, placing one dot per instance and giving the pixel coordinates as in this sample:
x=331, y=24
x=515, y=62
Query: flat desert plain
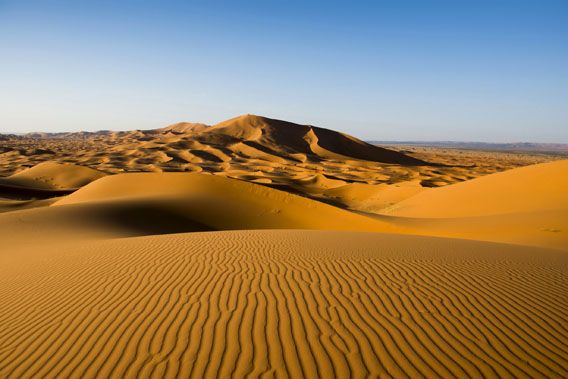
x=263, y=248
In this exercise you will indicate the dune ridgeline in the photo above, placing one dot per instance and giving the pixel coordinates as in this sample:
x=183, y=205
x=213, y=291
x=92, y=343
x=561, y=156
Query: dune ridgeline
x=263, y=248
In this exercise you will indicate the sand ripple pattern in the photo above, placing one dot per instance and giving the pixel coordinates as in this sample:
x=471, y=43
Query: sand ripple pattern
x=284, y=304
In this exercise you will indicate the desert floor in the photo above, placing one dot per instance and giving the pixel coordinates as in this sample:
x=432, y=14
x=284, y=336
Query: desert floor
x=261, y=248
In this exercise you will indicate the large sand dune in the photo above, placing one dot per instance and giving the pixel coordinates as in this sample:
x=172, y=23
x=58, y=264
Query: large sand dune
x=284, y=304
x=134, y=204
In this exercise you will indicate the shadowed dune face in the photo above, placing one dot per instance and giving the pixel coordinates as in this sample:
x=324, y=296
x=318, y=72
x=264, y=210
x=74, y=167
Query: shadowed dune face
x=286, y=303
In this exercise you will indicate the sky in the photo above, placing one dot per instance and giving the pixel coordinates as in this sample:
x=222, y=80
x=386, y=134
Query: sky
x=492, y=71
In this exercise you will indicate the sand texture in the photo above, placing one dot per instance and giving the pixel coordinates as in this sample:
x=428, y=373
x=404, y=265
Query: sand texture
x=284, y=304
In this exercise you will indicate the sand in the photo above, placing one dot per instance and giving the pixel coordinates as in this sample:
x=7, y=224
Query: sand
x=532, y=188
x=285, y=304
x=277, y=250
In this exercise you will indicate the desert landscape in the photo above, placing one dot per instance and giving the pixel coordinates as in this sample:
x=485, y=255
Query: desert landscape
x=263, y=248
x=283, y=189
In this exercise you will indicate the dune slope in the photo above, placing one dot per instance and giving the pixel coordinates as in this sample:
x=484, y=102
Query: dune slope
x=283, y=304
x=532, y=188
x=222, y=203
x=52, y=176
x=134, y=204
x=43, y=181
x=527, y=205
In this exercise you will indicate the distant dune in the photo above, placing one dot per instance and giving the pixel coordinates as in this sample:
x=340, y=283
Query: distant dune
x=286, y=137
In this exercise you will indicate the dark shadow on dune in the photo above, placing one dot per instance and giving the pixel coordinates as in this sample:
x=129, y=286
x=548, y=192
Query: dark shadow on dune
x=206, y=156
x=26, y=193
x=344, y=145
x=148, y=219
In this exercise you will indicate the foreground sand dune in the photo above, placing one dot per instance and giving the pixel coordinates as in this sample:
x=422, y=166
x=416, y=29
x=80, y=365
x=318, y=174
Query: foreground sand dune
x=540, y=228
x=284, y=304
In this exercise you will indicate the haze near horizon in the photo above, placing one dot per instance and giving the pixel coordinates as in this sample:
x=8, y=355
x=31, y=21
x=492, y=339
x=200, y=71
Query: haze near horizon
x=474, y=71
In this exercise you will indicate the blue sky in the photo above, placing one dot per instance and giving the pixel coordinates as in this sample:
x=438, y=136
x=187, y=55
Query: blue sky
x=384, y=70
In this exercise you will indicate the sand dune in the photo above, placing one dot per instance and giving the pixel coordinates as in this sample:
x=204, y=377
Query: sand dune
x=288, y=137
x=527, y=206
x=546, y=228
x=46, y=180
x=531, y=188
x=284, y=304
x=133, y=204
x=52, y=176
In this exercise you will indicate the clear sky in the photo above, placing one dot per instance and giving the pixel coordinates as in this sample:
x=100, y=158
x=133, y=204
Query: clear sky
x=475, y=70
